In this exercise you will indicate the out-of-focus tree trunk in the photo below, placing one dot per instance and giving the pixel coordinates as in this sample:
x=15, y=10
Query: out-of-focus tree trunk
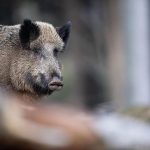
x=116, y=54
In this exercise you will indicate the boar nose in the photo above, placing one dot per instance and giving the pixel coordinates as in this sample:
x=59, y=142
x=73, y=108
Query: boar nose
x=56, y=83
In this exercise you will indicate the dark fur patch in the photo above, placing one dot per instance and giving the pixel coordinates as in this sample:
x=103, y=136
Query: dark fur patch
x=40, y=88
x=64, y=31
x=29, y=31
x=38, y=52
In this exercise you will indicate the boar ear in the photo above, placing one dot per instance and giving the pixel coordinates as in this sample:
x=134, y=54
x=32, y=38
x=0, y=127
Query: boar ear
x=64, y=31
x=29, y=31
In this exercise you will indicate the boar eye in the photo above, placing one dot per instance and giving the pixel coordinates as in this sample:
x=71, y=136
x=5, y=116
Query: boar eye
x=55, y=52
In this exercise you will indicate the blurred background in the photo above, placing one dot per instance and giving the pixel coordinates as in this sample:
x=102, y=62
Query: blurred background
x=107, y=57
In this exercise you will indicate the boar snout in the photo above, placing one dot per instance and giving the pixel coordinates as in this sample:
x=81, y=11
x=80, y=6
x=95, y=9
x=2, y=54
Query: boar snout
x=55, y=84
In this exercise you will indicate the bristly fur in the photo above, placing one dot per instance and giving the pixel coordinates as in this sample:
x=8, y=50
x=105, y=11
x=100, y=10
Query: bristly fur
x=64, y=31
x=29, y=31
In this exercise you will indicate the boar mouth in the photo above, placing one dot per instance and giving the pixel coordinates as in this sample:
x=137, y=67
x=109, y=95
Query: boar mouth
x=41, y=90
